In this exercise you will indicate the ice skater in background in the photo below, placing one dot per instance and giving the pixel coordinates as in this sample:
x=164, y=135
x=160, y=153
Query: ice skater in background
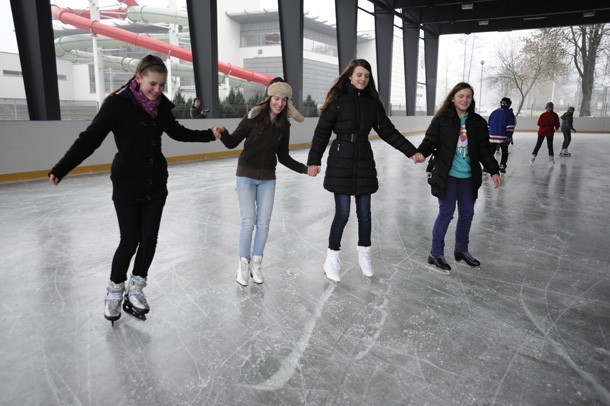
x=548, y=123
x=567, y=120
x=502, y=123
x=137, y=114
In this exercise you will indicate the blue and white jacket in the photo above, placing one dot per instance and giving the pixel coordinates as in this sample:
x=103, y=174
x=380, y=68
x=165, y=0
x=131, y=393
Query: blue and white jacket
x=502, y=123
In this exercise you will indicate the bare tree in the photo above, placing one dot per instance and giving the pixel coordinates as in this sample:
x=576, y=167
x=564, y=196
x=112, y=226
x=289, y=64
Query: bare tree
x=540, y=59
x=587, y=42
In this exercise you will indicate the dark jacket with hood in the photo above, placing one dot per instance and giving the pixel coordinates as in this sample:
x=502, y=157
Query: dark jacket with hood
x=139, y=169
x=441, y=141
x=262, y=149
x=567, y=121
x=350, y=165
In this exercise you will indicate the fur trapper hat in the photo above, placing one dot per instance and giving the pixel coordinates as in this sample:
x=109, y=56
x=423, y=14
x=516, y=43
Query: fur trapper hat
x=281, y=89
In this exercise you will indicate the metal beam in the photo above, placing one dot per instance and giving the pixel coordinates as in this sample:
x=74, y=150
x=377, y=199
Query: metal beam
x=384, y=30
x=34, y=31
x=410, y=45
x=203, y=28
x=347, y=19
x=431, y=61
x=291, y=33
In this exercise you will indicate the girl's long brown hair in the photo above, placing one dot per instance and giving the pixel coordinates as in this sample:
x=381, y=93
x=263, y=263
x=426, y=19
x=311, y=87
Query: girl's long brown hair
x=447, y=102
x=342, y=82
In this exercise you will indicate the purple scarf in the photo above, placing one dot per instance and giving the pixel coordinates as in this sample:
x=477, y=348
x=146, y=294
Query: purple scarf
x=149, y=106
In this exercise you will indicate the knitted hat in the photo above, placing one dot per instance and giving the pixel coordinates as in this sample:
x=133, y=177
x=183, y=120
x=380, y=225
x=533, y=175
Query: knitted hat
x=280, y=89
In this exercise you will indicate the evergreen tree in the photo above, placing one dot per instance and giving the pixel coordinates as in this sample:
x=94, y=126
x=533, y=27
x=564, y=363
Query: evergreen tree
x=182, y=109
x=310, y=107
x=234, y=106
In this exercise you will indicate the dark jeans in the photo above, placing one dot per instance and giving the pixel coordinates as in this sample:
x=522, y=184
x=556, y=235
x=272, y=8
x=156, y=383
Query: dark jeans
x=549, y=142
x=139, y=227
x=503, y=146
x=458, y=191
x=567, y=138
x=363, y=212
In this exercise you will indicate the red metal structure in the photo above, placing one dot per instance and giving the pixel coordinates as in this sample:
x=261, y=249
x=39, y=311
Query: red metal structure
x=76, y=19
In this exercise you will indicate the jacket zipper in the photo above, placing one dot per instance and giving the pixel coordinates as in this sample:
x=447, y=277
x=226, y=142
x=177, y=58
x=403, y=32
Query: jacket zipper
x=357, y=146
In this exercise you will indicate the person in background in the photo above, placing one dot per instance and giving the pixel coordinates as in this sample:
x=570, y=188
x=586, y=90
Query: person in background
x=266, y=131
x=548, y=123
x=196, y=110
x=351, y=109
x=567, y=120
x=458, y=140
x=502, y=123
x=137, y=114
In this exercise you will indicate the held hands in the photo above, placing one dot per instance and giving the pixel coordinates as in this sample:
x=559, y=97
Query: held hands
x=217, y=131
x=497, y=180
x=313, y=170
x=54, y=181
x=418, y=158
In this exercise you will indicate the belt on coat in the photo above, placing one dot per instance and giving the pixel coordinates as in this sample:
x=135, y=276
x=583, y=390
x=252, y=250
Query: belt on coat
x=353, y=137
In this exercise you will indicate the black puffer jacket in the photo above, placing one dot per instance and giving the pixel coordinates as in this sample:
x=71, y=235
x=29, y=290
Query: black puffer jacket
x=441, y=140
x=139, y=169
x=351, y=166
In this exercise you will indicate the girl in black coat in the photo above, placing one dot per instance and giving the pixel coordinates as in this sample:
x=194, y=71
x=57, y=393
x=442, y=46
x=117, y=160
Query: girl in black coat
x=138, y=114
x=458, y=139
x=351, y=109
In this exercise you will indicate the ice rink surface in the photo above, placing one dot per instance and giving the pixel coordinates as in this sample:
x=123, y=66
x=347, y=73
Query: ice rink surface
x=531, y=326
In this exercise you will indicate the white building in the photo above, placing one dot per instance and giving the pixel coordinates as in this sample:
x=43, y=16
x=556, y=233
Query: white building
x=248, y=36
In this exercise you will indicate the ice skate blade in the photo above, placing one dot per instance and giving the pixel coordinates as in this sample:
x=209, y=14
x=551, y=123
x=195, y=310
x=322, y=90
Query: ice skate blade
x=112, y=319
x=439, y=270
x=140, y=314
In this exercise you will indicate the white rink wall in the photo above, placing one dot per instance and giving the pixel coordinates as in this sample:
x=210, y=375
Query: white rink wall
x=30, y=148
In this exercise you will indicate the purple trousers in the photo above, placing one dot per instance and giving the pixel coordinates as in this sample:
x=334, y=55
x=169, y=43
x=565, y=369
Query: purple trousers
x=457, y=190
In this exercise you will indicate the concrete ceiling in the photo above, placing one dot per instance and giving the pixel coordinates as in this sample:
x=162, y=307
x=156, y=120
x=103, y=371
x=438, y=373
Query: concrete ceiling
x=442, y=17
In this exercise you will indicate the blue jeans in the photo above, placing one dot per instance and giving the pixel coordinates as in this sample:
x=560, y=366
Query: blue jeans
x=363, y=211
x=255, y=206
x=457, y=191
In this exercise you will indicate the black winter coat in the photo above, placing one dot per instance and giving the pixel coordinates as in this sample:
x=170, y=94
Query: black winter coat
x=441, y=140
x=350, y=166
x=139, y=169
x=567, y=121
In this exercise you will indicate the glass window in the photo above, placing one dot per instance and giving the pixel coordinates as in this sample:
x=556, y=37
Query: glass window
x=13, y=105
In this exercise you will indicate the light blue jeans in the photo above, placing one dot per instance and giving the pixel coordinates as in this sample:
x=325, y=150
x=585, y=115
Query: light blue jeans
x=255, y=206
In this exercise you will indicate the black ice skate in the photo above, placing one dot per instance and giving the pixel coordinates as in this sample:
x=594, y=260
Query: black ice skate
x=134, y=311
x=135, y=302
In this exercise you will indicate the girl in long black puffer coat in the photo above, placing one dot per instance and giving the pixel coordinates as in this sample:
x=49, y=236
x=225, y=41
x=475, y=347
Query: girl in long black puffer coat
x=351, y=109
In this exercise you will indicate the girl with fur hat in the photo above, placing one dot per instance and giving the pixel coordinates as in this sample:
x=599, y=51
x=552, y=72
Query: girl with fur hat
x=266, y=132
x=351, y=109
